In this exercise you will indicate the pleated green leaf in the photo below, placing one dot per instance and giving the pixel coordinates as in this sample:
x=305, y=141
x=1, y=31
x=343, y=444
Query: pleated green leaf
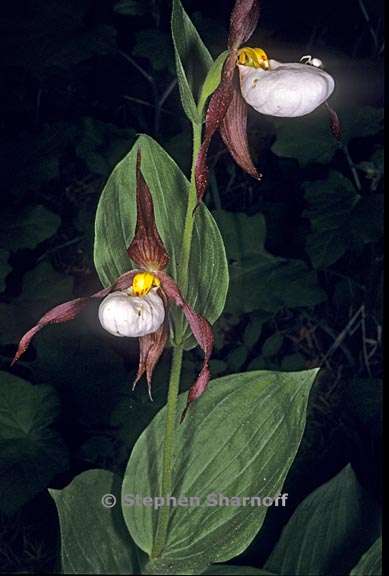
x=115, y=226
x=371, y=562
x=192, y=60
x=238, y=440
x=94, y=539
x=328, y=531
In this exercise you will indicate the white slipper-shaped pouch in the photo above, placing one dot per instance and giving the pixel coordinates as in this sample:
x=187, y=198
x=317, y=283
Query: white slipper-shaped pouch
x=286, y=89
x=124, y=315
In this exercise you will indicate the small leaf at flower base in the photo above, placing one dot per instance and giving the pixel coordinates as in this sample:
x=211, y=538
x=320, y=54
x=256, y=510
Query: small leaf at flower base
x=192, y=60
x=371, y=562
x=212, y=80
x=251, y=425
x=94, y=538
x=32, y=453
x=328, y=531
x=115, y=226
x=27, y=228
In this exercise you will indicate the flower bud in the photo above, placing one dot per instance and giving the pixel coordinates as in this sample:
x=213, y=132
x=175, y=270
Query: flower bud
x=289, y=90
x=124, y=315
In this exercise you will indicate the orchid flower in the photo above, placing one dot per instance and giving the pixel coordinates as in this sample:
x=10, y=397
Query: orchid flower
x=136, y=305
x=249, y=77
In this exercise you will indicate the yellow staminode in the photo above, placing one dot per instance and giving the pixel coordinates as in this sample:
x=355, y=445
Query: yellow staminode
x=143, y=282
x=254, y=57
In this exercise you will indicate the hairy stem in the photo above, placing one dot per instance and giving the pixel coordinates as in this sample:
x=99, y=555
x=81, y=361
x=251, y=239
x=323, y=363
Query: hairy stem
x=175, y=371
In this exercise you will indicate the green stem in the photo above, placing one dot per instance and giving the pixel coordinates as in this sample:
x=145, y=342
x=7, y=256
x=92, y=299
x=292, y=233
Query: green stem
x=167, y=462
x=182, y=278
x=175, y=370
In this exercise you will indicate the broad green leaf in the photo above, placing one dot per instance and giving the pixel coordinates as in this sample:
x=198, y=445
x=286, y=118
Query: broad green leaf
x=5, y=268
x=212, y=80
x=192, y=60
x=226, y=569
x=309, y=139
x=115, y=226
x=371, y=562
x=31, y=452
x=328, y=530
x=251, y=425
x=94, y=538
x=26, y=229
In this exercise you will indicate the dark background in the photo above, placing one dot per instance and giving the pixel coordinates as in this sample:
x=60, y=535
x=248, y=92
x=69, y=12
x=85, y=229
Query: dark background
x=79, y=80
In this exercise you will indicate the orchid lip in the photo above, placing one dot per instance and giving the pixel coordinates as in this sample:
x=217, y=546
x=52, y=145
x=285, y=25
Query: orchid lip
x=288, y=89
x=126, y=315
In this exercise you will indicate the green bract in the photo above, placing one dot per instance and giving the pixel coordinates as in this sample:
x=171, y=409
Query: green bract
x=192, y=61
